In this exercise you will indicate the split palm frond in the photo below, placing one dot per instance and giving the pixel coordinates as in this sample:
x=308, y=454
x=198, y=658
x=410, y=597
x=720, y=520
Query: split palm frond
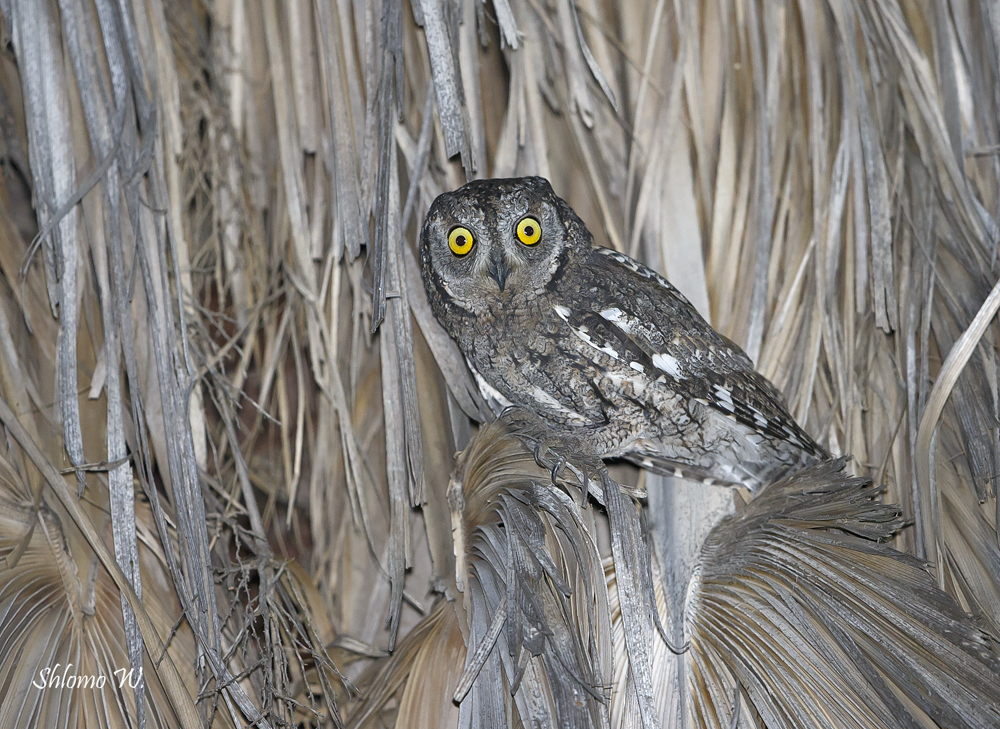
x=798, y=604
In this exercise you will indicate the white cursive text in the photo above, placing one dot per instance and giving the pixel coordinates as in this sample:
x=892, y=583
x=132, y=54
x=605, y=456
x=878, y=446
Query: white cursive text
x=50, y=677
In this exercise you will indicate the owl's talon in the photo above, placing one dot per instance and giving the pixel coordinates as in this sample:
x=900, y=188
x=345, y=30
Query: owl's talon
x=538, y=452
x=557, y=467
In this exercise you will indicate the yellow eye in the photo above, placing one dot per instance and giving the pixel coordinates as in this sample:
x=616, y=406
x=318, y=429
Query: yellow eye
x=460, y=240
x=529, y=231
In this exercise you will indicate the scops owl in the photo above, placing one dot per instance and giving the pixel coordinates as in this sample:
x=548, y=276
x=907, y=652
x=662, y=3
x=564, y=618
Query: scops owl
x=596, y=344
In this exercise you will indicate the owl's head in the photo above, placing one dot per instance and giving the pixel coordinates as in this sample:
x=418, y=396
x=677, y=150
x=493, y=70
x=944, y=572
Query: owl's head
x=494, y=242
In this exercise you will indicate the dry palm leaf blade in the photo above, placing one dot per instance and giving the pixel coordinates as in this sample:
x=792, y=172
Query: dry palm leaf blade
x=797, y=604
x=531, y=573
x=64, y=661
x=802, y=602
x=533, y=613
x=63, y=655
x=417, y=682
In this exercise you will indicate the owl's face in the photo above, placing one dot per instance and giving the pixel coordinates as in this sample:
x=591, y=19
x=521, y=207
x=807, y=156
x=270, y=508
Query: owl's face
x=493, y=242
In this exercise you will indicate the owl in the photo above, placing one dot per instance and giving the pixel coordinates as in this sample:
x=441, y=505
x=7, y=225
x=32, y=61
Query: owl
x=598, y=346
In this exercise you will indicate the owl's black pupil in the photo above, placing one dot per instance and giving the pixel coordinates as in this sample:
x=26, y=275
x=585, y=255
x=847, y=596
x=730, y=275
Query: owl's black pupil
x=460, y=240
x=529, y=231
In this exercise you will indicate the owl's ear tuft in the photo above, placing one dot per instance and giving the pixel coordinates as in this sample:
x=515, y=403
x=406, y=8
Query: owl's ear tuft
x=540, y=183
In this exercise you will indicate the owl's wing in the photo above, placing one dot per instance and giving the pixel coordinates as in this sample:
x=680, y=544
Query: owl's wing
x=636, y=313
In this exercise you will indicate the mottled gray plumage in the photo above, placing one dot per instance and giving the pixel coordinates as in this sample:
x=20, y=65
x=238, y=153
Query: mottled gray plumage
x=601, y=347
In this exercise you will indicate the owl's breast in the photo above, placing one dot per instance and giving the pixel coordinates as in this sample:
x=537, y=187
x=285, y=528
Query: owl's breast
x=531, y=358
x=512, y=351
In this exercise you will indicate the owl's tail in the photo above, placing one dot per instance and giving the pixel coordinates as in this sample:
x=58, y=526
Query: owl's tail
x=752, y=472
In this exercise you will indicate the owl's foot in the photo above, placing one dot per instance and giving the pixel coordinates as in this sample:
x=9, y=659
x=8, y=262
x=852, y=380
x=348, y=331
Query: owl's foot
x=554, y=450
x=554, y=465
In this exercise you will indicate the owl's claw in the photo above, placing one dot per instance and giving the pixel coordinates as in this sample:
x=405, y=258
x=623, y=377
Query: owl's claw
x=557, y=467
x=554, y=451
x=539, y=451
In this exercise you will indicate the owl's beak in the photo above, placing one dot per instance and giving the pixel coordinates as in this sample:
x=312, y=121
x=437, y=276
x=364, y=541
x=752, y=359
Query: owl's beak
x=498, y=269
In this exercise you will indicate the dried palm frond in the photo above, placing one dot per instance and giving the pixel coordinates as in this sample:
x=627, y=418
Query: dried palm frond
x=798, y=602
x=62, y=643
x=527, y=560
x=421, y=677
x=534, y=618
x=113, y=302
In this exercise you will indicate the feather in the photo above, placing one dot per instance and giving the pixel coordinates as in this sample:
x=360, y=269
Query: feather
x=697, y=362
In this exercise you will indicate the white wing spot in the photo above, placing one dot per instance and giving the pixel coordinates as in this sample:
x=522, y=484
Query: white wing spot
x=758, y=417
x=550, y=402
x=488, y=391
x=723, y=393
x=581, y=332
x=608, y=351
x=668, y=364
x=643, y=271
x=624, y=260
x=637, y=367
x=620, y=319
